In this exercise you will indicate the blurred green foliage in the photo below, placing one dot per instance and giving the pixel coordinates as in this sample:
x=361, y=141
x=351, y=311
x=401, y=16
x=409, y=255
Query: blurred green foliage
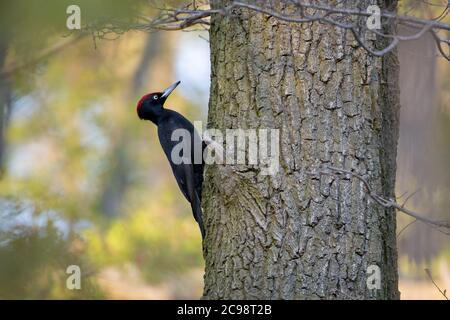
x=34, y=262
x=72, y=132
x=155, y=243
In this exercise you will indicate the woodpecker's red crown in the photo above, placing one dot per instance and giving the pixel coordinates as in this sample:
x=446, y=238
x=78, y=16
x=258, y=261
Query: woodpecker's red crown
x=145, y=97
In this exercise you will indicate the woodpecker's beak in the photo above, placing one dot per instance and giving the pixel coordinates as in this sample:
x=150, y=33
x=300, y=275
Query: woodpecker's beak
x=170, y=89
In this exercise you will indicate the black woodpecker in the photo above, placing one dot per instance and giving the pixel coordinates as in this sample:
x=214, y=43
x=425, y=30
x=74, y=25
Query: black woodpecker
x=189, y=174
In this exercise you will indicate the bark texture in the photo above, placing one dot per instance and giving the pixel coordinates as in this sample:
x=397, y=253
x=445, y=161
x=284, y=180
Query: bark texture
x=293, y=235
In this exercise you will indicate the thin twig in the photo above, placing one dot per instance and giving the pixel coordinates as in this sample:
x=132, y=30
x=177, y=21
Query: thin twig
x=444, y=293
x=406, y=227
x=409, y=197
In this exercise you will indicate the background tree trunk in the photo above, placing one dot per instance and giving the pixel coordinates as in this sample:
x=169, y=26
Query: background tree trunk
x=5, y=102
x=293, y=235
x=118, y=179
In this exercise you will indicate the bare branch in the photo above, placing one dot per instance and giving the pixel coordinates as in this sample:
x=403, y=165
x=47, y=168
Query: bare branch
x=444, y=293
x=199, y=14
x=386, y=203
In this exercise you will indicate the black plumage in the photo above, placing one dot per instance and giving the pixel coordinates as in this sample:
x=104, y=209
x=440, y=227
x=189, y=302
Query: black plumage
x=189, y=176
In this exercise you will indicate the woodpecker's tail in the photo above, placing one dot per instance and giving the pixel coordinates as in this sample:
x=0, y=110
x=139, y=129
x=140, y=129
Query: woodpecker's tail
x=194, y=198
x=198, y=214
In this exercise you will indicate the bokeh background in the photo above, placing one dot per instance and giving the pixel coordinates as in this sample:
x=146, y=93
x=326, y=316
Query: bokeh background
x=83, y=181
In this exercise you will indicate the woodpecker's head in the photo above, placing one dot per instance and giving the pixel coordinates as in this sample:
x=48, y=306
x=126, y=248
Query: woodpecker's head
x=151, y=105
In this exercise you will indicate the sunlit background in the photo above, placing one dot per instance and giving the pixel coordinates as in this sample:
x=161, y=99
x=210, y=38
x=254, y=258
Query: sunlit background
x=84, y=181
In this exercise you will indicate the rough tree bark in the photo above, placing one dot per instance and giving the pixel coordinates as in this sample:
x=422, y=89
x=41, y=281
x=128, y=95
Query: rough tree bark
x=295, y=235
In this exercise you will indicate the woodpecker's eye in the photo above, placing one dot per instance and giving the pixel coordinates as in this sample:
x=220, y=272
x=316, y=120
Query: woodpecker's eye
x=155, y=97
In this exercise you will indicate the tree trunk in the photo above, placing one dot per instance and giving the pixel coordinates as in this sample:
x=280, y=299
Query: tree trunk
x=294, y=235
x=5, y=102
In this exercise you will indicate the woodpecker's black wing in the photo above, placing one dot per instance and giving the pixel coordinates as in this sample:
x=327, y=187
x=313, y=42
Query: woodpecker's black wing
x=189, y=176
